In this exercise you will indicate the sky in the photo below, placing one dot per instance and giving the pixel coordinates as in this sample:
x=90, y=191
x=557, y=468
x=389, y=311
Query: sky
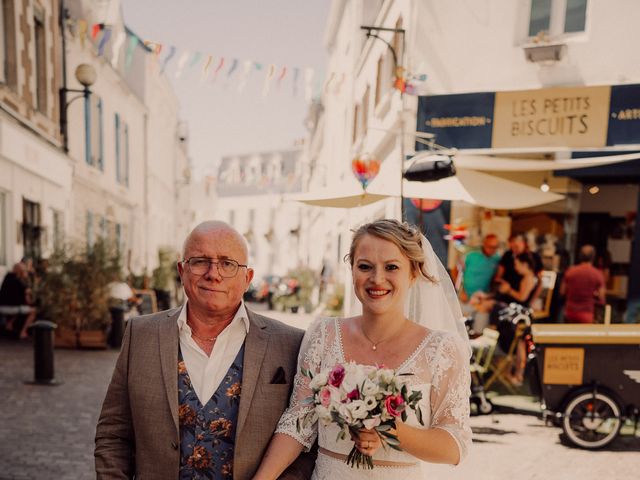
x=222, y=120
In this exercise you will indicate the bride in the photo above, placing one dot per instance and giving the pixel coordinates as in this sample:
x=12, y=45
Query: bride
x=410, y=322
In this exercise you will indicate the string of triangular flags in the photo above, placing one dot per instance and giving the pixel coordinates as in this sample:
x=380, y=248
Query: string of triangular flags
x=211, y=67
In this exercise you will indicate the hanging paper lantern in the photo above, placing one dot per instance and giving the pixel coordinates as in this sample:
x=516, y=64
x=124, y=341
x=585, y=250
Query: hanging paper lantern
x=365, y=169
x=425, y=204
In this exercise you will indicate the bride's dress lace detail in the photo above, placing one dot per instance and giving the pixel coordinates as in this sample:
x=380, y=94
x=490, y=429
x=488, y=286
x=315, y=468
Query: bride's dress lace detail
x=439, y=368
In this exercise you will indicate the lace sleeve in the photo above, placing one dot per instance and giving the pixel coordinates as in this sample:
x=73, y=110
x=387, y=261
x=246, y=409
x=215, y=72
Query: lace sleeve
x=309, y=358
x=450, y=392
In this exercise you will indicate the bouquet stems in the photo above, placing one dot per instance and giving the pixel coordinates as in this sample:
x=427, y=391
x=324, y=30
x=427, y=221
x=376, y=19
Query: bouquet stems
x=358, y=459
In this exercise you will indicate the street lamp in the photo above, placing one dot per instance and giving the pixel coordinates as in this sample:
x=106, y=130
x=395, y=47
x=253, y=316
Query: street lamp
x=86, y=76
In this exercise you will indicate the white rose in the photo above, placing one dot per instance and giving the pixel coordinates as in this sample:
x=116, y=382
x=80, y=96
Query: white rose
x=358, y=409
x=324, y=414
x=345, y=413
x=385, y=375
x=319, y=381
x=372, y=422
x=369, y=388
x=353, y=378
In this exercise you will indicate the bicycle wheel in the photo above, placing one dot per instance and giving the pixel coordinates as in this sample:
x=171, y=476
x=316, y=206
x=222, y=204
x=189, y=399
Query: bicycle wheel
x=591, y=421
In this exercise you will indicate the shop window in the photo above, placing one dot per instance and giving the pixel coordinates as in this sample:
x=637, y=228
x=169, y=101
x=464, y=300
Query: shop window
x=9, y=69
x=122, y=151
x=94, y=132
x=31, y=229
x=557, y=17
x=41, y=59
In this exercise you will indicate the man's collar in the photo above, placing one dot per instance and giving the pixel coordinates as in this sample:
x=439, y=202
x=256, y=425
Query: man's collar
x=240, y=316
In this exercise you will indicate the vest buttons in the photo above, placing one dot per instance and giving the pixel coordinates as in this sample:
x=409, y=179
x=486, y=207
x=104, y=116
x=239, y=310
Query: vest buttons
x=174, y=445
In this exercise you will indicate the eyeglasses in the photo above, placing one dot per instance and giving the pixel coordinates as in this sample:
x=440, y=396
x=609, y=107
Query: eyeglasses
x=227, y=267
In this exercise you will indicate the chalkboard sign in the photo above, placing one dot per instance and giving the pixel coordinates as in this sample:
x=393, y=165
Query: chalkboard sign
x=146, y=301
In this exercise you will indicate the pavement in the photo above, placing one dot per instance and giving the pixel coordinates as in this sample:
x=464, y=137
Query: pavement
x=47, y=432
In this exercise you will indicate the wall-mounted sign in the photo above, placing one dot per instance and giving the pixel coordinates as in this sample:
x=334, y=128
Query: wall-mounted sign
x=551, y=117
x=574, y=117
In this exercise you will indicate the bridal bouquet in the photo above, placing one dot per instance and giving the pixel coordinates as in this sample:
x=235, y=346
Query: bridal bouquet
x=359, y=396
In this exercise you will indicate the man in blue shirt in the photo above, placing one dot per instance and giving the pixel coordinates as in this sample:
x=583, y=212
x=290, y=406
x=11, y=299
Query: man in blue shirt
x=479, y=268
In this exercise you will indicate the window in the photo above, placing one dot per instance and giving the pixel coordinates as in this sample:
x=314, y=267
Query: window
x=361, y=116
x=3, y=228
x=122, y=151
x=9, y=69
x=31, y=229
x=556, y=17
x=356, y=114
x=41, y=59
x=94, y=131
x=103, y=227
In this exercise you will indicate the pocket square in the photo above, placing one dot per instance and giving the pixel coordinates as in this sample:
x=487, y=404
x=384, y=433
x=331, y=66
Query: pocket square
x=279, y=377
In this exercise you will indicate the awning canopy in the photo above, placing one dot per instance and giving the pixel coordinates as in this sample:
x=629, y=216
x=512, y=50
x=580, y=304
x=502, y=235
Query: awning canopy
x=473, y=187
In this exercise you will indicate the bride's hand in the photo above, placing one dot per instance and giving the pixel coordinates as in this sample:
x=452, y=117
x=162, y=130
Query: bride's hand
x=367, y=441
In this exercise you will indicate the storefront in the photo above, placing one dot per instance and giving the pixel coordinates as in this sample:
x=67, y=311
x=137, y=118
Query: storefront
x=561, y=125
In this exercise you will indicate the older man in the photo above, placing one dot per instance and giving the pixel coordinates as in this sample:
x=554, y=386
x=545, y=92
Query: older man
x=197, y=391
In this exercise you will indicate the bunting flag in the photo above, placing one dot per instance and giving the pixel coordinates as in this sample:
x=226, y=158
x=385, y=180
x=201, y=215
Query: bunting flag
x=83, y=28
x=106, y=35
x=195, y=58
x=102, y=35
x=246, y=70
x=133, y=43
x=234, y=65
x=167, y=59
x=205, y=68
x=117, y=46
x=95, y=30
x=182, y=61
x=267, y=80
x=218, y=68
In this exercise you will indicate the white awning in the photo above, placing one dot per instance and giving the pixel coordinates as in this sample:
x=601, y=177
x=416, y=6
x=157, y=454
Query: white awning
x=473, y=187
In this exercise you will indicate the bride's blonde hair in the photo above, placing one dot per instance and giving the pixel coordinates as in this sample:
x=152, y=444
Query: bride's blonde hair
x=405, y=236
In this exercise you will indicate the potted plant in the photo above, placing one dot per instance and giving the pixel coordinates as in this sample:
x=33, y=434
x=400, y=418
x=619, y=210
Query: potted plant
x=74, y=293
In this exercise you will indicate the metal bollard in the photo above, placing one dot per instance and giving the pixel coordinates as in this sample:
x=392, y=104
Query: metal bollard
x=117, y=326
x=43, y=344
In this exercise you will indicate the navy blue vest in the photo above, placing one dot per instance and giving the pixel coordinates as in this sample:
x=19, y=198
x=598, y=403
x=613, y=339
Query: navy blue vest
x=207, y=432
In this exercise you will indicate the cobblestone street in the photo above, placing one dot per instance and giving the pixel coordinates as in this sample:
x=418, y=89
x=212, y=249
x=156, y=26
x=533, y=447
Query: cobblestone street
x=47, y=432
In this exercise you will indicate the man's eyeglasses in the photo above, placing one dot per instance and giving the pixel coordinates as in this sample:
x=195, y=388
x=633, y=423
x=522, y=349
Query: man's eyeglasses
x=200, y=265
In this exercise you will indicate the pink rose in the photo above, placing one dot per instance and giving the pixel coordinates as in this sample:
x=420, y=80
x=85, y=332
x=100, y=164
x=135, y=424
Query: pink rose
x=325, y=397
x=336, y=376
x=353, y=395
x=395, y=405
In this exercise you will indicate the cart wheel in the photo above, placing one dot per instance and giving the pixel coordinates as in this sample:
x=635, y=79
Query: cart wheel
x=486, y=407
x=591, y=421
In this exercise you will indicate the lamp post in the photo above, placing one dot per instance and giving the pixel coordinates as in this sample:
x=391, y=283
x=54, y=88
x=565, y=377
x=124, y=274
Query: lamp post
x=372, y=32
x=86, y=76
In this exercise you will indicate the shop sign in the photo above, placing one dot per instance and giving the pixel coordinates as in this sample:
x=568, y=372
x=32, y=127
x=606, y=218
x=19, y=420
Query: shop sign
x=575, y=117
x=563, y=366
x=551, y=117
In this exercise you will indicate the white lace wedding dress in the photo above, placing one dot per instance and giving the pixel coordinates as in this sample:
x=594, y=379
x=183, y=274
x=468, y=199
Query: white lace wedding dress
x=440, y=368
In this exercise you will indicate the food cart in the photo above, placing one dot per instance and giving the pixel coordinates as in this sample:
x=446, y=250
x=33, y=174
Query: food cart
x=590, y=379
